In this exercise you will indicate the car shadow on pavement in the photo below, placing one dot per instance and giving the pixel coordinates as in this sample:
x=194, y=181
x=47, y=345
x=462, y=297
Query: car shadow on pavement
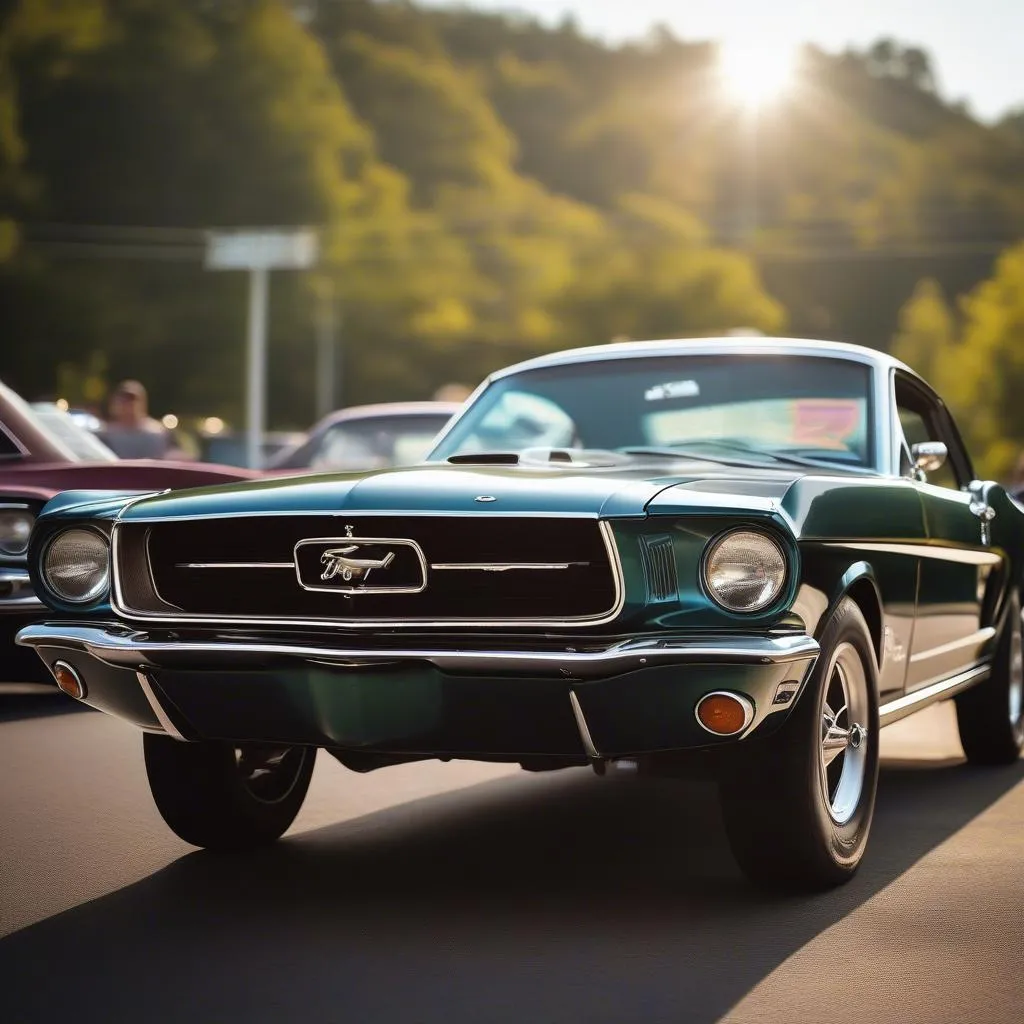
x=576, y=899
x=36, y=700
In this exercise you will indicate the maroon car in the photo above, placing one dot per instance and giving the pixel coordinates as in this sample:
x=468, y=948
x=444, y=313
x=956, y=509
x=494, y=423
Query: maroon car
x=41, y=453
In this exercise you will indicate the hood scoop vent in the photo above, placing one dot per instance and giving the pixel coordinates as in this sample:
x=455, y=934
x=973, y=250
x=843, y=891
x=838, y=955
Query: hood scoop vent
x=582, y=457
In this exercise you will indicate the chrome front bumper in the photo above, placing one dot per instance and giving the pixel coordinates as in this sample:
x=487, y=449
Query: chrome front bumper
x=497, y=703
x=139, y=650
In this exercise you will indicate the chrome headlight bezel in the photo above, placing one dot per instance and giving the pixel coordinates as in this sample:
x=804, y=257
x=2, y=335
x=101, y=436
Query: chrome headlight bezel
x=99, y=589
x=771, y=599
x=18, y=514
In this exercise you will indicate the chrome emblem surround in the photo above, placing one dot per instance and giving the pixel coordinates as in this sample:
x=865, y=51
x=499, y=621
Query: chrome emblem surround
x=340, y=560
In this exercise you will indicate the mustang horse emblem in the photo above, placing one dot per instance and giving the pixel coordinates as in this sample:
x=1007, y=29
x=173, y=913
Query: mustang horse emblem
x=337, y=563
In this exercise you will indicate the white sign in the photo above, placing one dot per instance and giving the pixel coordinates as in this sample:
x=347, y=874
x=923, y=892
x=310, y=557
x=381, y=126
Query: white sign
x=261, y=250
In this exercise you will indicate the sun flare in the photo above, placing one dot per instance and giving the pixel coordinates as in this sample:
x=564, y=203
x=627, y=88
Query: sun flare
x=754, y=76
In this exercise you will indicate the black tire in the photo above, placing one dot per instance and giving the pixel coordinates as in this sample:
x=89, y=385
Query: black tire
x=990, y=716
x=223, y=797
x=785, y=827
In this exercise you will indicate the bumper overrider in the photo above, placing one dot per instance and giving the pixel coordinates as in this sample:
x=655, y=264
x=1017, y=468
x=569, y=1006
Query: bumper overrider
x=492, y=703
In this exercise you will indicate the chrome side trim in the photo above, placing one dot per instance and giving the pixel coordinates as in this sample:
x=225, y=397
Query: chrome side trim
x=154, y=702
x=943, y=689
x=973, y=640
x=115, y=645
x=941, y=552
x=502, y=566
x=234, y=565
x=607, y=537
x=581, y=724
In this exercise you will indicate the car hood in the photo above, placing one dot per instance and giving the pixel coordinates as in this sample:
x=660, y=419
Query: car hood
x=515, y=489
x=45, y=479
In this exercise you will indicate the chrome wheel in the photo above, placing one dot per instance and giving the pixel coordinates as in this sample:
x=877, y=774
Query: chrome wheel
x=270, y=773
x=1016, y=687
x=843, y=751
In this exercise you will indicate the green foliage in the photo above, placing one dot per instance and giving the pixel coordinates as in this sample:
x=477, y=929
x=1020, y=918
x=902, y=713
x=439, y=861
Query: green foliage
x=486, y=188
x=927, y=333
x=979, y=368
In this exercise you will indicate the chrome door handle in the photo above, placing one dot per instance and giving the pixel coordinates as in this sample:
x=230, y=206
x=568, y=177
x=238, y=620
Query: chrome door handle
x=979, y=506
x=985, y=512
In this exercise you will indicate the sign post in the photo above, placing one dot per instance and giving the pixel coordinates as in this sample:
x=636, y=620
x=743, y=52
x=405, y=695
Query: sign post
x=259, y=252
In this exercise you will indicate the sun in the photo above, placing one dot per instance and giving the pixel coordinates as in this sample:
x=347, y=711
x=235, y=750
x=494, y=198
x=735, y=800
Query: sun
x=755, y=75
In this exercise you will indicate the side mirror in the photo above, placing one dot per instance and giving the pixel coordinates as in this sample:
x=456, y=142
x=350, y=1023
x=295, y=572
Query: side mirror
x=928, y=456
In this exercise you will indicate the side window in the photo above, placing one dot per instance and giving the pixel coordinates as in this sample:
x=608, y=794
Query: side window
x=921, y=420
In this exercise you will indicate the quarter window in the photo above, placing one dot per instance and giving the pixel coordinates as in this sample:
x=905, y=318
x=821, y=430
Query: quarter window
x=923, y=419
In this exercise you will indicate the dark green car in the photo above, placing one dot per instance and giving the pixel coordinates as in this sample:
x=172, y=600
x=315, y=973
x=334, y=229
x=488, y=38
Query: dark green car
x=733, y=557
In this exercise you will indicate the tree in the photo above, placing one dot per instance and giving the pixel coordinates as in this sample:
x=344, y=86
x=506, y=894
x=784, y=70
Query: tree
x=982, y=373
x=927, y=332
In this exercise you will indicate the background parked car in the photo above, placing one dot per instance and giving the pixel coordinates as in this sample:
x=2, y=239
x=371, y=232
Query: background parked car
x=43, y=451
x=228, y=448
x=369, y=437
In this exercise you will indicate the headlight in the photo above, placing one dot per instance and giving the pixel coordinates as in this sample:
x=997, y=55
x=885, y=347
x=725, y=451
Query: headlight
x=76, y=566
x=745, y=570
x=15, y=528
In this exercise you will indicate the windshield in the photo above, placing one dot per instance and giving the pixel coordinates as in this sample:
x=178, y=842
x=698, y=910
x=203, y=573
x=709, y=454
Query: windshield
x=811, y=407
x=83, y=446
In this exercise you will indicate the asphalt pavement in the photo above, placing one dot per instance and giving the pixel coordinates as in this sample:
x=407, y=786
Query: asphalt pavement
x=469, y=894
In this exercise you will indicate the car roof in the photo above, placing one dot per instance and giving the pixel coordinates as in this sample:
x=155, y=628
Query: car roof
x=735, y=345
x=358, y=412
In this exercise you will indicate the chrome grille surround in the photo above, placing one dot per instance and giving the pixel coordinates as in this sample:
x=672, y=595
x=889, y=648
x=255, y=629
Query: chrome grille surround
x=173, y=615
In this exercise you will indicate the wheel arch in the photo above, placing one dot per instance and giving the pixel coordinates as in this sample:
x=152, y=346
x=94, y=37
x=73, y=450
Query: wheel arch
x=859, y=585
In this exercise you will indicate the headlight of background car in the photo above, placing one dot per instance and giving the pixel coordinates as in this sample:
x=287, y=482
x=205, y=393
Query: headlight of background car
x=15, y=529
x=745, y=571
x=76, y=566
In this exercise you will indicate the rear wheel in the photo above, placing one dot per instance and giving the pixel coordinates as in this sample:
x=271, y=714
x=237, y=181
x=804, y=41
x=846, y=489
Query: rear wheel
x=798, y=806
x=990, y=716
x=221, y=796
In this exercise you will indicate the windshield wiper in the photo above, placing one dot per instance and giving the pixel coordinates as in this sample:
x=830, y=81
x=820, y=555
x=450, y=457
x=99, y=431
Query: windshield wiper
x=692, y=450
x=688, y=452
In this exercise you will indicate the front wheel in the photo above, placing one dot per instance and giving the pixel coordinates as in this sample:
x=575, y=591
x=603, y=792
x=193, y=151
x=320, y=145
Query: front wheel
x=990, y=716
x=798, y=805
x=221, y=796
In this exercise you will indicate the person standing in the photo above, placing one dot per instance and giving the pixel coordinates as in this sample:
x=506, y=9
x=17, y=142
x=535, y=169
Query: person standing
x=130, y=431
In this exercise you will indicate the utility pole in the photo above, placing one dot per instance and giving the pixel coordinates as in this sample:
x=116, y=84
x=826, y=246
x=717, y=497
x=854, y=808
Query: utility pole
x=259, y=252
x=326, y=350
x=256, y=365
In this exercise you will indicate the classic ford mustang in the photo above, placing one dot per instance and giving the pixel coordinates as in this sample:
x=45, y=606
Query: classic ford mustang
x=737, y=557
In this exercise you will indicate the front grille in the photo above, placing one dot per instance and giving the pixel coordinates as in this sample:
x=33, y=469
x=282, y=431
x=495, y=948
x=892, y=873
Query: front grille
x=422, y=569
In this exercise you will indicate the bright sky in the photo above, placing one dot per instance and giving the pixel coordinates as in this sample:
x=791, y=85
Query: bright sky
x=977, y=46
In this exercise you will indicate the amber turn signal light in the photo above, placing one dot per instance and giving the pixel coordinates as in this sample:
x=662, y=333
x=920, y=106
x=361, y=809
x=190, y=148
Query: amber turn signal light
x=724, y=714
x=68, y=680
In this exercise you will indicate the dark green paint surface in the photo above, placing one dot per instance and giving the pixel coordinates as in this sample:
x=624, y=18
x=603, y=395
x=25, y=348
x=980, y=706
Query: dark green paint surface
x=911, y=555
